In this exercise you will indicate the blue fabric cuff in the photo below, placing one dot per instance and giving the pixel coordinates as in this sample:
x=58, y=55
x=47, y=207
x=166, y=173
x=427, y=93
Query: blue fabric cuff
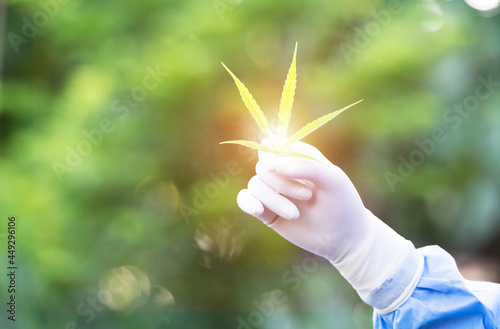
x=399, y=283
x=443, y=299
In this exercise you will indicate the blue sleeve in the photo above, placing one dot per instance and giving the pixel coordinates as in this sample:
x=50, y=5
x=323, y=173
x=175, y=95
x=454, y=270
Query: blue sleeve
x=443, y=299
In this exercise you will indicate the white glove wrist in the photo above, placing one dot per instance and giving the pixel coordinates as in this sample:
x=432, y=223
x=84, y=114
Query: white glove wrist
x=384, y=269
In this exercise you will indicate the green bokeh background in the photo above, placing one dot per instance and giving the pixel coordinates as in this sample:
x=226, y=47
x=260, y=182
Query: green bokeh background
x=149, y=207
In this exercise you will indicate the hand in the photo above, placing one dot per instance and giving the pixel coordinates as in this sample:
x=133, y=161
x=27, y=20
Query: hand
x=314, y=205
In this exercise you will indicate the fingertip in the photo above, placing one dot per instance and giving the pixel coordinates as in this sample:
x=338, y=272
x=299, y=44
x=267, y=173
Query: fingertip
x=295, y=215
x=259, y=168
x=303, y=194
x=267, y=160
x=249, y=204
x=289, y=211
x=285, y=165
x=257, y=210
x=298, y=168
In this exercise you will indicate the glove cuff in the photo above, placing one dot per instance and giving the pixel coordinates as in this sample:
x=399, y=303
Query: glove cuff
x=384, y=269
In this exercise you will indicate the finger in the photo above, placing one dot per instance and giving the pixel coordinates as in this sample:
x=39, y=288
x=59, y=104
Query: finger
x=269, y=218
x=298, y=168
x=267, y=160
x=249, y=204
x=266, y=157
x=272, y=200
x=307, y=149
x=292, y=188
x=321, y=172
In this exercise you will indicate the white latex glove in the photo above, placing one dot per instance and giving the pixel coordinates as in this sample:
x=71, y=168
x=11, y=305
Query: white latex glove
x=315, y=206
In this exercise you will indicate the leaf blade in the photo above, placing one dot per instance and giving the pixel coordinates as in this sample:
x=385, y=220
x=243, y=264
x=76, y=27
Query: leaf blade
x=287, y=95
x=299, y=155
x=313, y=125
x=252, y=106
x=250, y=144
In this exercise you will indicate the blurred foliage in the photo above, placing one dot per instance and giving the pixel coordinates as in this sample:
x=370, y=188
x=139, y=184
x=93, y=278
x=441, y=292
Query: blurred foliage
x=123, y=196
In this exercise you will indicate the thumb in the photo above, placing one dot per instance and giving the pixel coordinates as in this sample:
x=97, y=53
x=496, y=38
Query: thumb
x=265, y=158
x=298, y=168
x=319, y=172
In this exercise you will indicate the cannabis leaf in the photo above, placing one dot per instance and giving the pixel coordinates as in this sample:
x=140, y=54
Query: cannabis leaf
x=252, y=106
x=252, y=145
x=312, y=126
x=286, y=103
x=279, y=143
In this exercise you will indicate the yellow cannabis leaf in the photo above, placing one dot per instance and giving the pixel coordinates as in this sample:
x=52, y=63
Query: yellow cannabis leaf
x=312, y=126
x=250, y=144
x=286, y=103
x=252, y=106
x=298, y=155
x=279, y=143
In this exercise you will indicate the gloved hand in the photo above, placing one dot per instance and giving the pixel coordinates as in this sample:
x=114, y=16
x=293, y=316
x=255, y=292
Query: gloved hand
x=315, y=206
